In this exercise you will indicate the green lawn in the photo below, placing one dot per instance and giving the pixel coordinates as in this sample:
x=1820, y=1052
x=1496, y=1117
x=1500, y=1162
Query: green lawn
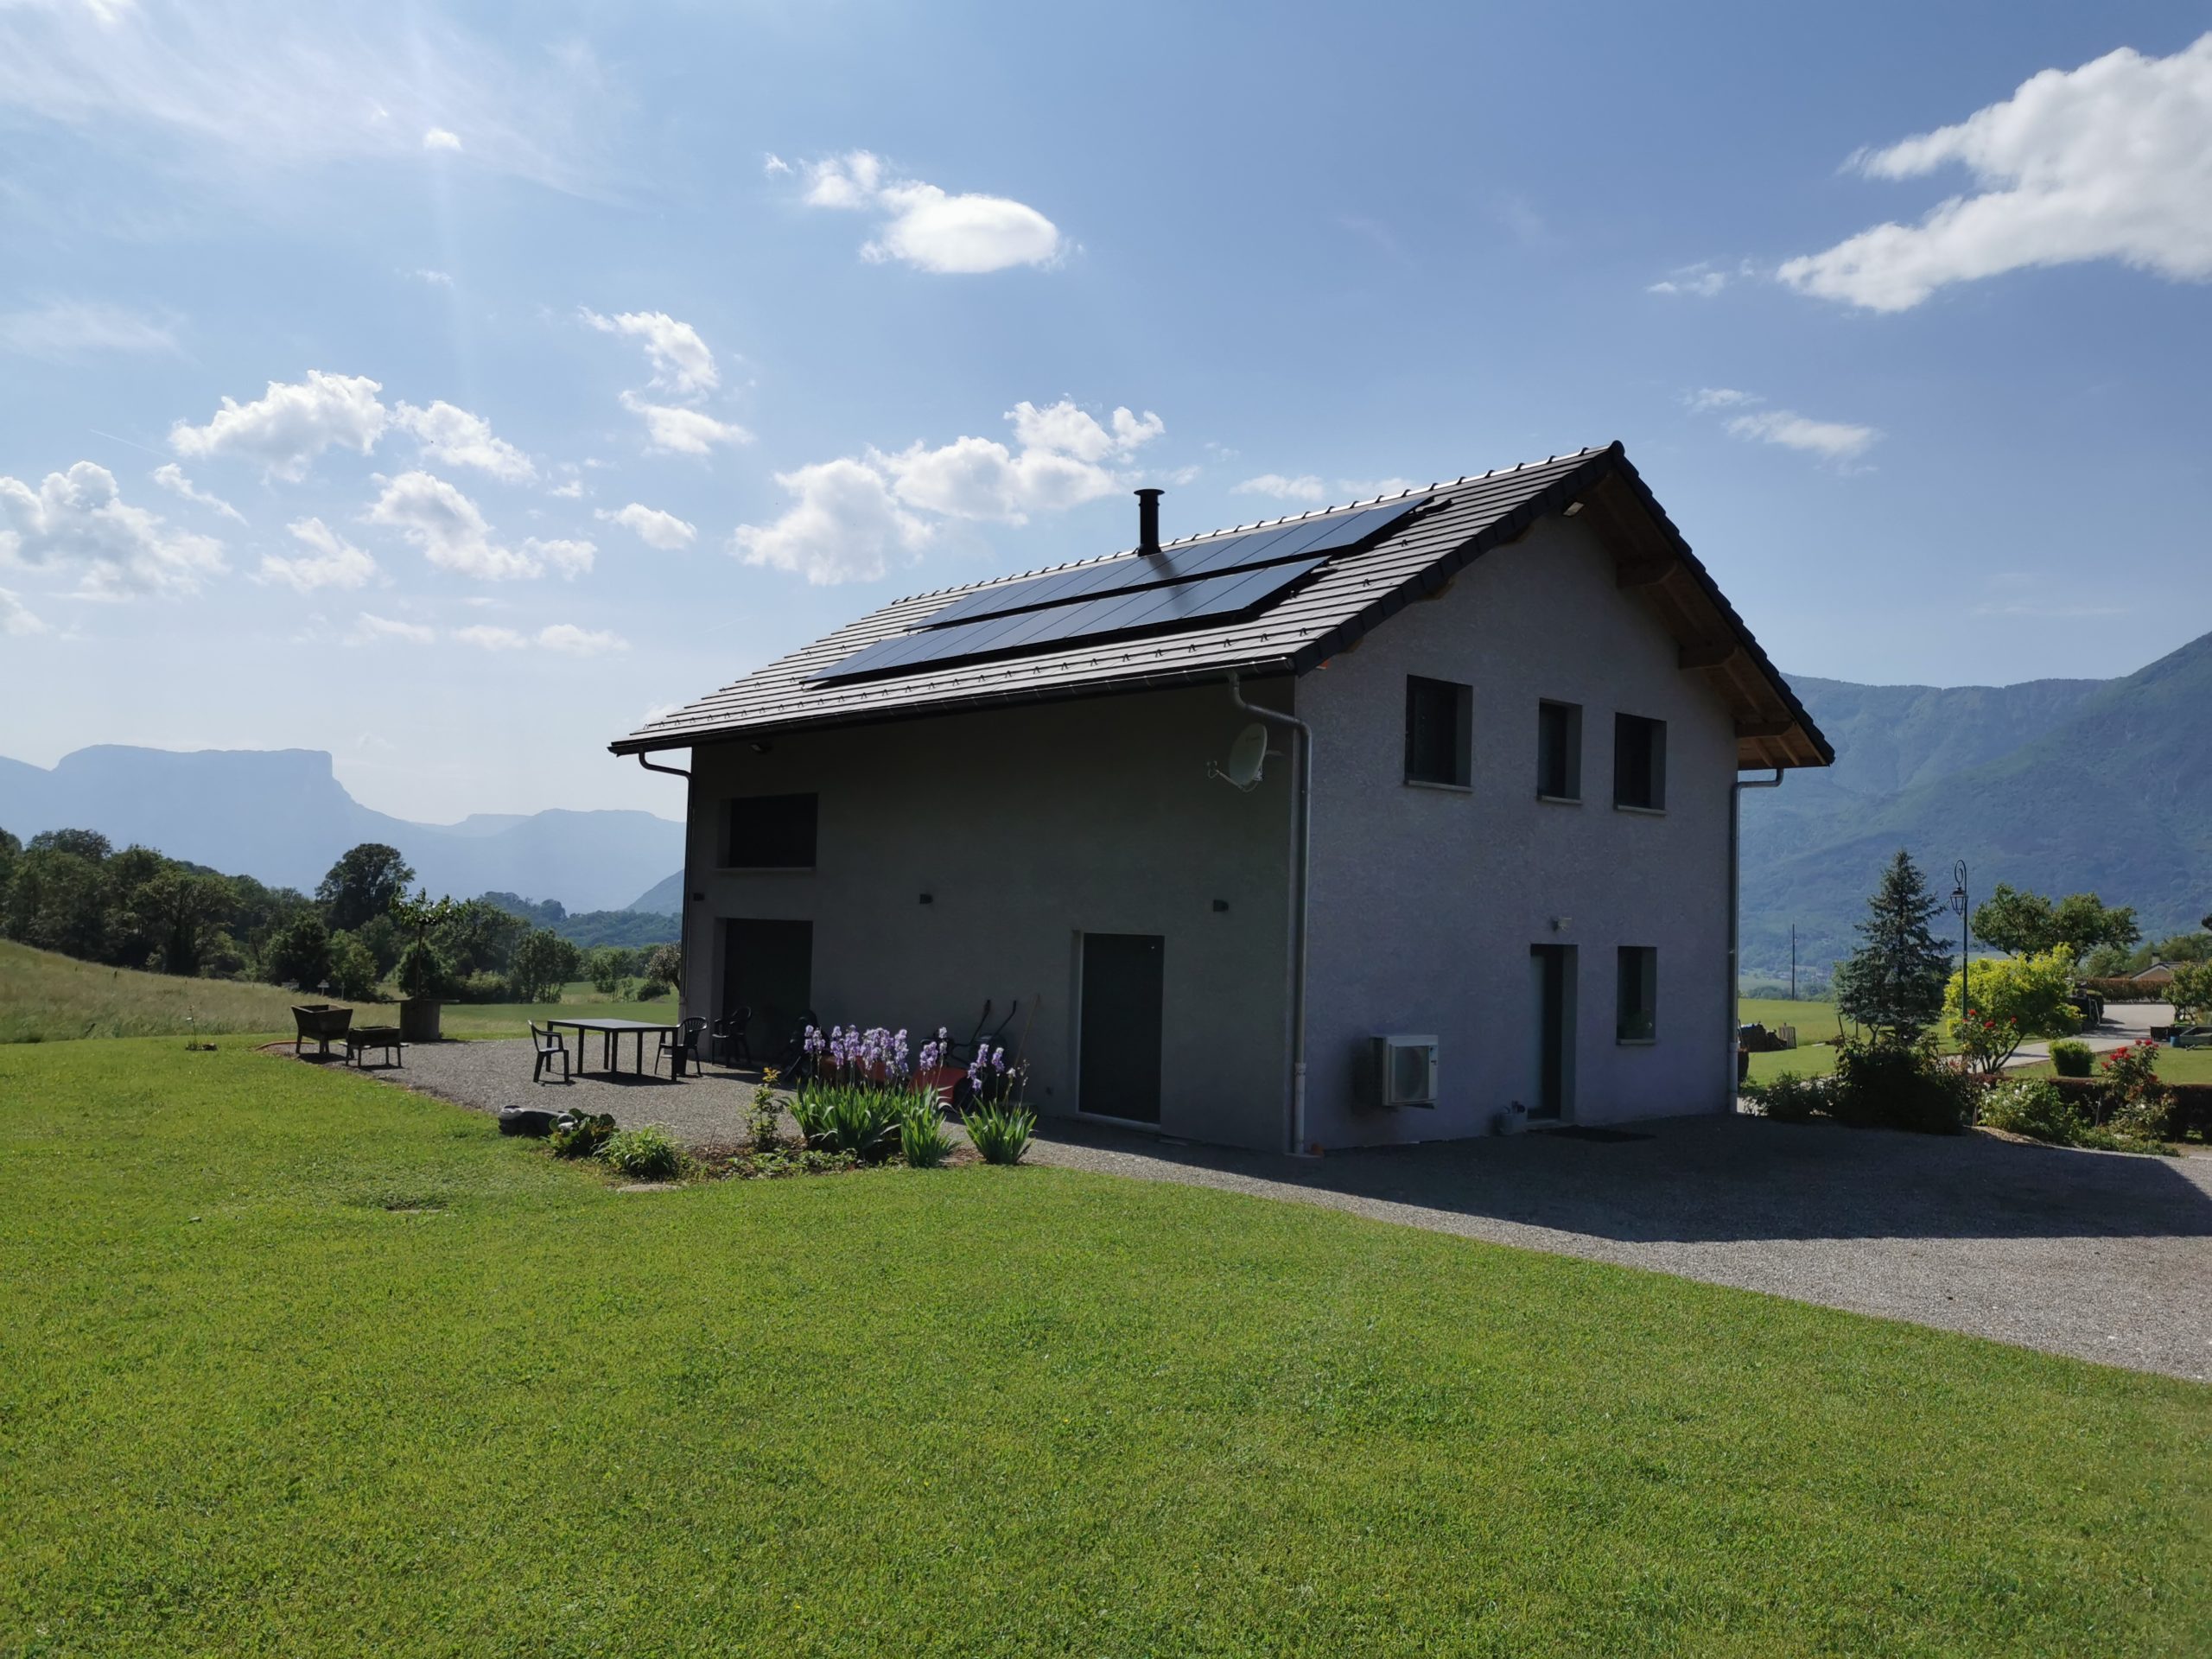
x=1817, y=1022
x=578, y=1001
x=293, y=1362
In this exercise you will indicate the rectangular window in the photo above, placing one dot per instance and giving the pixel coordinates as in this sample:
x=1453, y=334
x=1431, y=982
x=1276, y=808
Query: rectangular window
x=1639, y=996
x=1639, y=762
x=1438, y=717
x=769, y=832
x=1558, y=751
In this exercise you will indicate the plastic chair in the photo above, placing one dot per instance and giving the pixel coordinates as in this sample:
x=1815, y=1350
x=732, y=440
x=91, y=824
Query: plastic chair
x=547, y=1045
x=685, y=1049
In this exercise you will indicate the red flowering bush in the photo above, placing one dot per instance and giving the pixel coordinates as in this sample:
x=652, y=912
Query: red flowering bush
x=2141, y=1108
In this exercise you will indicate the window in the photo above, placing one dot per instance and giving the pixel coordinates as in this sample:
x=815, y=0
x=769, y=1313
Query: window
x=1638, y=1020
x=1439, y=714
x=769, y=832
x=1639, y=763
x=1558, y=751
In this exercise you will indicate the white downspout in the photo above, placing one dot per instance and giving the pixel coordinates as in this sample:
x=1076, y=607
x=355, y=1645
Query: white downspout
x=1301, y=890
x=1735, y=889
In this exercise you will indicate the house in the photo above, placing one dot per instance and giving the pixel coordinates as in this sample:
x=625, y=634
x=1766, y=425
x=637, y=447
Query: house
x=1459, y=766
x=2157, y=975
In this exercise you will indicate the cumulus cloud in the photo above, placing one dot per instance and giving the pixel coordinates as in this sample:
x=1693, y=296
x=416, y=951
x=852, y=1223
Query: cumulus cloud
x=283, y=430
x=439, y=138
x=1832, y=441
x=170, y=477
x=1275, y=486
x=330, y=561
x=66, y=329
x=853, y=518
x=682, y=431
x=2110, y=160
x=459, y=439
x=652, y=526
x=452, y=533
x=579, y=642
x=484, y=637
x=1706, y=398
x=78, y=520
x=681, y=364
x=15, y=617
x=1703, y=280
x=368, y=629
x=925, y=227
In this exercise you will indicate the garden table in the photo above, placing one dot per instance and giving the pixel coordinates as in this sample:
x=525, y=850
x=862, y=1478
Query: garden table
x=611, y=1033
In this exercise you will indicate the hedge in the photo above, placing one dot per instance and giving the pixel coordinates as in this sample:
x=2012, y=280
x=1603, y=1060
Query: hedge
x=2192, y=1102
x=2127, y=990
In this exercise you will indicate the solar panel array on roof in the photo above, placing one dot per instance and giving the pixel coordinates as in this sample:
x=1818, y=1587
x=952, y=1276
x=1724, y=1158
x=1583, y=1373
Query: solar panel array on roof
x=1145, y=609
x=1240, y=552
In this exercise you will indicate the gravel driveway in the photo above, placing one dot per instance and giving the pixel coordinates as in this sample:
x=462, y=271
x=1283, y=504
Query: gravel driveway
x=2102, y=1256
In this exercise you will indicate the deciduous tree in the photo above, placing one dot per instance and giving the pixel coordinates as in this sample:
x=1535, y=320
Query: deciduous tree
x=362, y=884
x=2012, y=1000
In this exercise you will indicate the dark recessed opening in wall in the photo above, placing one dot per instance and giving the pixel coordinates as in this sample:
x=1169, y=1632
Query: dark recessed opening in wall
x=1639, y=762
x=769, y=832
x=1439, y=716
x=1558, y=751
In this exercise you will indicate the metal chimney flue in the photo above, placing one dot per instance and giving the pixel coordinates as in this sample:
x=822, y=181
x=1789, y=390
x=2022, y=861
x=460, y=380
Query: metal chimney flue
x=1148, y=521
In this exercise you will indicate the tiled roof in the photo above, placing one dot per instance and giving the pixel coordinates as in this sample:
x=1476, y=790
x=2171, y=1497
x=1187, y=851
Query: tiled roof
x=1347, y=597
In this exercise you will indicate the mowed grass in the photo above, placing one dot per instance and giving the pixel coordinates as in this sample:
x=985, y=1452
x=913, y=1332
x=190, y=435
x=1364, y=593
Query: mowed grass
x=578, y=1000
x=1816, y=1023
x=293, y=1362
x=47, y=998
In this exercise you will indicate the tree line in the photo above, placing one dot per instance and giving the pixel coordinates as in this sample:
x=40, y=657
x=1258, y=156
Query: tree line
x=72, y=891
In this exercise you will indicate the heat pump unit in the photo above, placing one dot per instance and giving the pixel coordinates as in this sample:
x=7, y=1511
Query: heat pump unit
x=1400, y=1071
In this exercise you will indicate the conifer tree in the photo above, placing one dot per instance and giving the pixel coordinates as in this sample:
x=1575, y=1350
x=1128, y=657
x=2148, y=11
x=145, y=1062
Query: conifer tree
x=1893, y=982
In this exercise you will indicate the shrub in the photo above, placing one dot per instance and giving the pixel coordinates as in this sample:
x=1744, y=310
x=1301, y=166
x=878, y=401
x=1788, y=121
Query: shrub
x=581, y=1134
x=607, y=966
x=924, y=1140
x=2033, y=1106
x=483, y=987
x=543, y=963
x=2071, y=1060
x=765, y=1116
x=2013, y=999
x=1899, y=1086
x=2146, y=1119
x=352, y=969
x=663, y=964
x=1790, y=1098
x=861, y=1118
x=650, y=990
x=1001, y=1133
x=423, y=972
x=645, y=1153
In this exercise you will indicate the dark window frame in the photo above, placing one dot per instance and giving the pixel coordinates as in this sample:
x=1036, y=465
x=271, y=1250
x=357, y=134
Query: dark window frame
x=1566, y=747
x=1433, y=762
x=771, y=843
x=1639, y=763
x=1636, y=994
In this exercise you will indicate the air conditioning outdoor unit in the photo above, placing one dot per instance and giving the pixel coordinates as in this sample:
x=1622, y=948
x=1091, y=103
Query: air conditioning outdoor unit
x=1400, y=1071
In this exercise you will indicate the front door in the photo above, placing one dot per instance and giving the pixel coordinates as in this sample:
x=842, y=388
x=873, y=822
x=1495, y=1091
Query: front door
x=1551, y=969
x=1122, y=991
x=768, y=967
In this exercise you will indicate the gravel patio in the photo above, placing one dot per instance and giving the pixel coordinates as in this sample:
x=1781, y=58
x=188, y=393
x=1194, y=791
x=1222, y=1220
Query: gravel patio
x=2102, y=1256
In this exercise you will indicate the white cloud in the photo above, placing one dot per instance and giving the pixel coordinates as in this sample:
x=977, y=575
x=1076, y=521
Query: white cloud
x=1702, y=280
x=855, y=517
x=1304, y=487
x=439, y=138
x=1712, y=397
x=681, y=364
x=287, y=428
x=1361, y=489
x=579, y=642
x=67, y=329
x=434, y=278
x=272, y=85
x=367, y=629
x=170, y=477
x=2110, y=160
x=571, y=491
x=1830, y=440
x=845, y=525
x=333, y=562
x=459, y=439
x=653, y=526
x=684, y=431
x=448, y=528
x=926, y=227
x=571, y=558
x=78, y=519
x=774, y=165
x=487, y=637
x=15, y=618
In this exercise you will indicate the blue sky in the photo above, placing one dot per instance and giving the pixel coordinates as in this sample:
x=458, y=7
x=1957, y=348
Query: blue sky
x=448, y=387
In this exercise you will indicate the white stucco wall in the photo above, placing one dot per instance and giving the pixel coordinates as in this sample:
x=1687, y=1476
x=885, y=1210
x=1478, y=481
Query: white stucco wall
x=1028, y=826
x=1426, y=901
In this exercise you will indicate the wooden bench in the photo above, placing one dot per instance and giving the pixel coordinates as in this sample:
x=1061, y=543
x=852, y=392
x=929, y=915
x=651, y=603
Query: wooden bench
x=385, y=1038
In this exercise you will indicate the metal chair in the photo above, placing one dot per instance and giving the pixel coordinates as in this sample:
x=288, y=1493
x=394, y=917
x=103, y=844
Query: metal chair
x=547, y=1045
x=683, y=1049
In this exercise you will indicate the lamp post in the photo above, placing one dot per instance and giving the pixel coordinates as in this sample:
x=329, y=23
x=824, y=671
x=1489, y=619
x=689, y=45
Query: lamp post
x=1965, y=970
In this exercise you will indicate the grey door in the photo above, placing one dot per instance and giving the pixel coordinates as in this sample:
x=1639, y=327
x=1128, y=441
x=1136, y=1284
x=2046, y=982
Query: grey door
x=768, y=967
x=1123, y=986
x=1551, y=967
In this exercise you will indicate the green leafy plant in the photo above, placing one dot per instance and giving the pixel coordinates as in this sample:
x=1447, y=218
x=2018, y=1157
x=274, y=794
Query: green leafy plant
x=2012, y=1000
x=861, y=1118
x=648, y=1153
x=581, y=1134
x=2142, y=1107
x=1001, y=1133
x=924, y=1140
x=765, y=1116
x=2033, y=1106
x=2072, y=1059
x=1790, y=1098
x=1900, y=1086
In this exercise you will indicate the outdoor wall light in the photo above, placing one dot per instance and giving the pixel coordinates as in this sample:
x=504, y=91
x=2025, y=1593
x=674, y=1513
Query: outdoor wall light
x=761, y=746
x=1560, y=924
x=1570, y=510
x=1220, y=905
x=928, y=899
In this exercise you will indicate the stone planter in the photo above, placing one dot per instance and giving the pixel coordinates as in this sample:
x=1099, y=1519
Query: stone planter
x=419, y=1019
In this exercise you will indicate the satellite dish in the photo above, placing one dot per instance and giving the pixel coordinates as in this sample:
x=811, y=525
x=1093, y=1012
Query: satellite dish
x=1247, y=755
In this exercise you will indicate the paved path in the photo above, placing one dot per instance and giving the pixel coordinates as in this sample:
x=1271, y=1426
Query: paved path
x=2124, y=1023
x=2103, y=1256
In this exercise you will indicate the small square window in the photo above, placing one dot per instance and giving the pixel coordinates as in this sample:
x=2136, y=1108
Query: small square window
x=1639, y=762
x=769, y=832
x=1639, y=1019
x=1558, y=751
x=1438, y=716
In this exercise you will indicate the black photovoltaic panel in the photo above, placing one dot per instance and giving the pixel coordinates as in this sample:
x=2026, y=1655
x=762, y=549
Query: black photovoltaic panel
x=1238, y=552
x=1184, y=602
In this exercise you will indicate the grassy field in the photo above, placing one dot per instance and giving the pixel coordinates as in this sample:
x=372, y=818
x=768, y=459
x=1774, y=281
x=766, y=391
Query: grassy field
x=578, y=1001
x=1816, y=1022
x=45, y=998
x=293, y=1362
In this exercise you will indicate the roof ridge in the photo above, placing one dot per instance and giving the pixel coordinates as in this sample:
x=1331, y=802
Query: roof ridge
x=1232, y=530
